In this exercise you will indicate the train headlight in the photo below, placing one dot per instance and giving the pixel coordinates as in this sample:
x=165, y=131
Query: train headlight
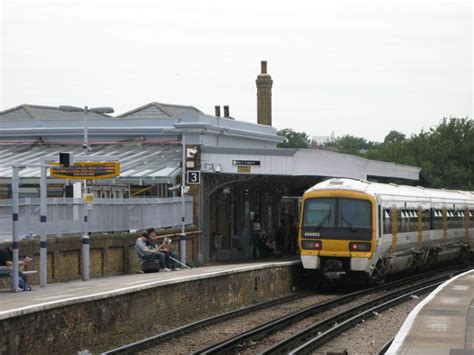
x=358, y=246
x=312, y=244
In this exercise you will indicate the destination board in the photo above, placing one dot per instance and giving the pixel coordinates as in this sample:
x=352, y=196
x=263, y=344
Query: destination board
x=87, y=170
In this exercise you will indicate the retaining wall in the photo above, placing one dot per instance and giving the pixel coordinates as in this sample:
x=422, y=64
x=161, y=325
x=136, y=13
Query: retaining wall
x=111, y=254
x=107, y=321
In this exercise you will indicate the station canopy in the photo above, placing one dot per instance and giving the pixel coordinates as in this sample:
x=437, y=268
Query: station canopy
x=151, y=163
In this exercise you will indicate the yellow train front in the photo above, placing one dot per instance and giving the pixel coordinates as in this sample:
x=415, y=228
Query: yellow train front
x=338, y=231
x=358, y=228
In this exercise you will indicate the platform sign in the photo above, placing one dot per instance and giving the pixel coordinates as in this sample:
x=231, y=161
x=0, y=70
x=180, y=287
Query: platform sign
x=193, y=177
x=87, y=170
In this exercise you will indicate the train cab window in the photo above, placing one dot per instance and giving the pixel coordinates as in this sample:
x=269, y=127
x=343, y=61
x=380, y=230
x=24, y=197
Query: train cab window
x=320, y=212
x=355, y=213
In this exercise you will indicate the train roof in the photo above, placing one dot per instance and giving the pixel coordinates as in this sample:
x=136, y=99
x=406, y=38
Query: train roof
x=393, y=190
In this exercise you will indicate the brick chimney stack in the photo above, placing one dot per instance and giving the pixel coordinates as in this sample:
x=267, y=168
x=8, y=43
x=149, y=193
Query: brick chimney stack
x=264, y=96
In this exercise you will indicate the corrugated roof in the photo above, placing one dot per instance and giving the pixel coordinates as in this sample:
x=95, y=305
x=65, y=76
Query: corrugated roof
x=157, y=162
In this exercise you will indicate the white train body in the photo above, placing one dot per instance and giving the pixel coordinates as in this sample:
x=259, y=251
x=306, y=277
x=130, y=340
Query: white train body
x=350, y=226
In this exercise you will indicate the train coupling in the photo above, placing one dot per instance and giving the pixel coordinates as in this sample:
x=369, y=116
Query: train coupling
x=334, y=275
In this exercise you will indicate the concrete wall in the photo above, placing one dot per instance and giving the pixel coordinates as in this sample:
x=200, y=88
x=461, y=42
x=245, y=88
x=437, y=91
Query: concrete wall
x=112, y=254
x=107, y=322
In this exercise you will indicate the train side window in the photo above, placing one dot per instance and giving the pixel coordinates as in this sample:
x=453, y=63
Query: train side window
x=387, y=221
x=413, y=221
x=437, y=219
x=426, y=220
x=403, y=221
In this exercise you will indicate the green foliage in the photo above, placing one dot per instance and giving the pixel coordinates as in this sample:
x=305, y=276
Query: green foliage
x=350, y=145
x=445, y=152
x=293, y=139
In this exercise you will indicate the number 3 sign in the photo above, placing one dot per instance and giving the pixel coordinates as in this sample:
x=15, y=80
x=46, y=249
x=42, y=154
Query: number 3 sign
x=193, y=177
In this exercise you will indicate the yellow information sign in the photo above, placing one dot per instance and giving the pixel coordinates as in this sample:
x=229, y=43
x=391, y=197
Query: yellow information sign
x=89, y=199
x=243, y=169
x=87, y=170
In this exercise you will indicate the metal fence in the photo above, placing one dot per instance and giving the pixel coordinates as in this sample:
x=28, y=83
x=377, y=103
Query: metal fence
x=66, y=215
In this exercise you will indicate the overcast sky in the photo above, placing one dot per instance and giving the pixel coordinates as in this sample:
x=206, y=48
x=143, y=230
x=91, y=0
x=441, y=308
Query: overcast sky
x=352, y=67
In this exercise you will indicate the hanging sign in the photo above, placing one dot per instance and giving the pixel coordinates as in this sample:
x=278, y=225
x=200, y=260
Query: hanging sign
x=87, y=170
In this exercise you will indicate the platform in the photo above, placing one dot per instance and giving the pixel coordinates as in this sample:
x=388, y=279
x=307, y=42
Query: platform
x=67, y=293
x=443, y=323
x=103, y=313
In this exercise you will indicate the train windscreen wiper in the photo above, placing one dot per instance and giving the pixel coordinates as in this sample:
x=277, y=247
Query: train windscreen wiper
x=349, y=223
x=324, y=220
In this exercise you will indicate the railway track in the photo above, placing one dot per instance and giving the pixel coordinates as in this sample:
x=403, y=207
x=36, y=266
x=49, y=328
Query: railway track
x=243, y=340
x=270, y=327
x=313, y=337
x=162, y=337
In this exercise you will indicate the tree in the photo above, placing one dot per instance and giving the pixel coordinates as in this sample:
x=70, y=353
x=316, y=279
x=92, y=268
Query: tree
x=444, y=152
x=350, y=145
x=394, y=137
x=293, y=139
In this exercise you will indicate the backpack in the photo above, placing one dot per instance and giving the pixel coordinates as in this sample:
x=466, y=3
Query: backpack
x=150, y=266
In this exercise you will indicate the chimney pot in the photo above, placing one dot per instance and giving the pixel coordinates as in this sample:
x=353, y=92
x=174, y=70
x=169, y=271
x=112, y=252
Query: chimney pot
x=263, y=66
x=217, y=110
x=226, y=111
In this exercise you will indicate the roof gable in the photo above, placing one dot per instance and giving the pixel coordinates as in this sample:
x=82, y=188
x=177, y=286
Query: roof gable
x=15, y=113
x=37, y=112
x=156, y=110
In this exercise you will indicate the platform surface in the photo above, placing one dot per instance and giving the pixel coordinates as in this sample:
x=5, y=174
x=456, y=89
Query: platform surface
x=62, y=294
x=443, y=323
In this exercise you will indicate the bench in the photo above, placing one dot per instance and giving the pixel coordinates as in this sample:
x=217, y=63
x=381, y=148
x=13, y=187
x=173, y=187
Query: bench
x=26, y=273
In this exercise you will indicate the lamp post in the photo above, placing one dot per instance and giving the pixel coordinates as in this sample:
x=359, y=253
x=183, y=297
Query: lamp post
x=182, y=237
x=85, y=146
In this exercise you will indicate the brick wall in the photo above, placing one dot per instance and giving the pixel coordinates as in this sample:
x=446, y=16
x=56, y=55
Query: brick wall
x=100, y=325
x=109, y=255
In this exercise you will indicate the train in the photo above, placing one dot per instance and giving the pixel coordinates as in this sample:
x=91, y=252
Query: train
x=369, y=230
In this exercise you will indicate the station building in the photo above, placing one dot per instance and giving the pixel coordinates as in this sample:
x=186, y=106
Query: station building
x=242, y=173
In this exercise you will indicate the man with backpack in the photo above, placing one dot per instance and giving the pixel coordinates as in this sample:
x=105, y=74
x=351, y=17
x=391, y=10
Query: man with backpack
x=170, y=256
x=149, y=257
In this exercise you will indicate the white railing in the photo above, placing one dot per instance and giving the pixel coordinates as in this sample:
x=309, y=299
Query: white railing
x=65, y=215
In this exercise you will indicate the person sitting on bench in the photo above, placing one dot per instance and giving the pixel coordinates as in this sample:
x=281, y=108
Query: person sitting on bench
x=148, y=255
x=6, y=265
x=163, y=248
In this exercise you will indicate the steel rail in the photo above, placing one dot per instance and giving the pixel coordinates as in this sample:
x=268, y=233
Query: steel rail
x=150, y=341
x=385, y=347
x=330, y=327
x=277, y=324
x=337, y=324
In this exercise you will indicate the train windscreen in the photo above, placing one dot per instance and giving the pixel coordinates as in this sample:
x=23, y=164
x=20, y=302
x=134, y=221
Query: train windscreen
x=337, y=218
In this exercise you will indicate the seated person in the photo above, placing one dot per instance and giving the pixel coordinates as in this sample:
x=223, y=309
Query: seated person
x=145, y=253
x=6, y=265
x=265, y=247
x=164, y=248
